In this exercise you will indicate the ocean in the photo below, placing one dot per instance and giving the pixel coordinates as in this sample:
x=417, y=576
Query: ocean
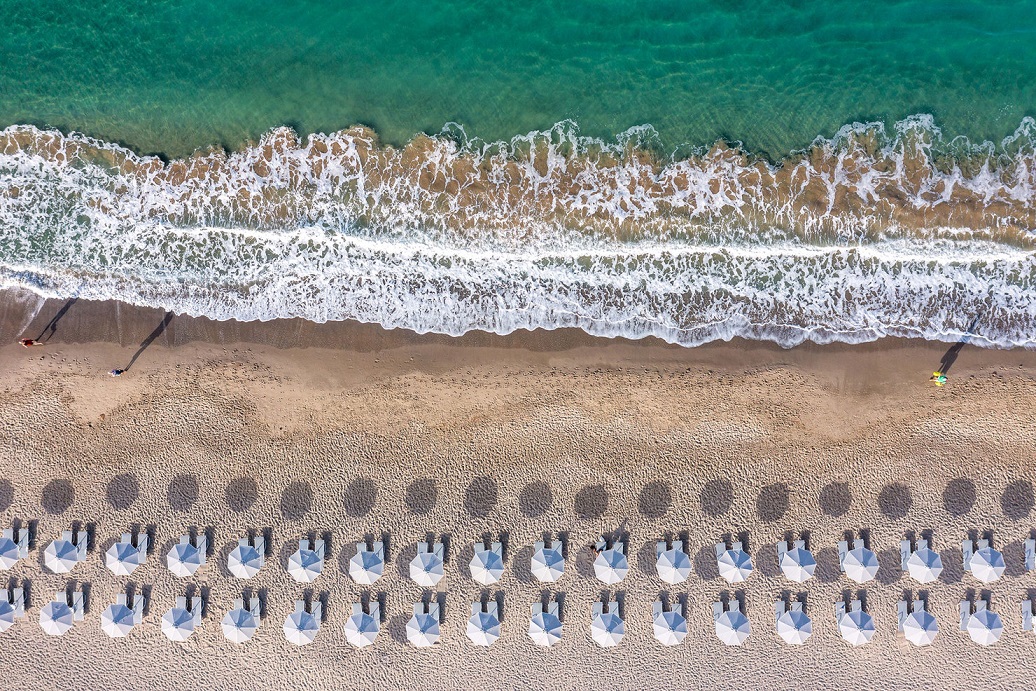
x=790, y=171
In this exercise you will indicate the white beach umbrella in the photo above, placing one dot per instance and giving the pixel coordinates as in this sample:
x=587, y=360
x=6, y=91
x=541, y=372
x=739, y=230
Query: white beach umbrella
x=6, y=615
x=985, y=627
x=426, y=569
x=924, y=565
x=920, y=628
x=56, y=618
x=365, y=567
x=670, y=628
x=545, y=629
x=122, y=558
x=422, y=630
x=735, y=565
x=239, y=625
x=184, y=559
x=61, y=556
x=794, y=627
x=607, y=629
x=861, y=564
x=483, y=628
x=361, y=629
x=487, y=567
x=244, y=561
x=117, y=621
x=548, y=564
x=8, y=553
x=987, y=565
x=733, y=627
x=857, y=628
x=301, y=628
x=673, y=566
x=611, y=566
x=178, y=624
x=798, y=564
x=305, y=565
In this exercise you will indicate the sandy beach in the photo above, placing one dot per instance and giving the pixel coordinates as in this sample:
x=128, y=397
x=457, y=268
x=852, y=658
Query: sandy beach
x=352, y=430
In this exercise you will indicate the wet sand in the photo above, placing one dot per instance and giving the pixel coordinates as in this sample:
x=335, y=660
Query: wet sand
x=353, y=430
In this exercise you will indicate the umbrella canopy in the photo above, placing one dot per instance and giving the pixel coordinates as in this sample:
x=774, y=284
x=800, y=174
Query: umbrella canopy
x=117, y=621
x=857, y=627
x=794, y=627
x=361, y=629
x=987, y=565
x=798, y=564
x=545, y=629
x=239, y=625
x=487, y=567
x=61, y=556
x=985, y=627
x=305, y=565
x=244, y=561
x=920, y=628
x=426, y=569
x=122, y=558
x=607, y=629
x=422, y=630
x=924, y=565
x=8, y=553
x=548, y=564
x=184, y=559
x=673, y=566
x=861, y=564
x=178, y=624
x=733, y=627
x=301, y=628
x=670, y=628
x=6, y=615
x=366, y=567
x=611, y=566
x=55, y=618
x=735, y=565
x=483, y=628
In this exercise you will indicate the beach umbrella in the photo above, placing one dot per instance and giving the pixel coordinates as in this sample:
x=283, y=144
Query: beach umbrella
x=422, y=630
x=794, y=627
x=9, y=554
x=733, y=627
x=607, y=629
x=117, y=621
x=483, y=628
x=178, y=624
x=798, y=564
x=366, y=566
x=987, y=565
x=239, y=625
x=545, y=629
x=301, y=628
x=735, y=565
x=861, y=564
x=122, y=558
x=244, y=561
x=426, y=569
x=56, y=618
x=924, y=565
x=361, y=629
x=920, y=628
x=985, y=627
x=857, y=627
x=670, y=628
x=611, y=566
x=487, y=567
x=61, y=556
x=548, y=564
x=6, y=615
x=673, y=566
x=305, y=565
x=184, y=559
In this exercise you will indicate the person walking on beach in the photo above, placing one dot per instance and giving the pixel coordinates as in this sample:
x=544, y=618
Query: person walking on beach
x=938, y=377
x=29, y=342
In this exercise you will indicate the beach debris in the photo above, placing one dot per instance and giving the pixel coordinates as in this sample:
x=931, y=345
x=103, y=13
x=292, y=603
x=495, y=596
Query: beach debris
x=918, y=625
x=855, y=625
x=672, y=563
x=668, y=624
x=422, y=629
x=245, y=560
x=982, y=625
x=610, y=564
x=484, y=623
x=793, y=625
x=426, y=569
x=860, y=563
x=545, y=623
x=307, y=562
x=923, y=564
x=735, y=564
x=302, y=625
x=362, y=627
x=732, y=626
x=796, y=562
x=118, y=619
x=241, y=622
x=58, y=615
x=188, y=555
x=62, y=555
x=548, y=561
x=607, y=627
x=123, y=558
x=181, y=620
x=487, y=566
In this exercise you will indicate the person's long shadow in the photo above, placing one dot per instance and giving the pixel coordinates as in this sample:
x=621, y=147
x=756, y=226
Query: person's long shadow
x=150, y=339
x=950, y=356
x=52, y=326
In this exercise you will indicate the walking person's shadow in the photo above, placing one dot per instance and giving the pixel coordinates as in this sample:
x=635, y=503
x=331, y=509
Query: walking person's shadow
x=146, y=342
x=950, y=356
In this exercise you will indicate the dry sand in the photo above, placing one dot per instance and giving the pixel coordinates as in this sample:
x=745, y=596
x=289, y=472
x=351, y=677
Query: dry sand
x=236, y=427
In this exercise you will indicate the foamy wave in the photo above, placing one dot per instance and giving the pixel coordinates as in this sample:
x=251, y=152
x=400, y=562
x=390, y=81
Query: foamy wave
x=861, y=236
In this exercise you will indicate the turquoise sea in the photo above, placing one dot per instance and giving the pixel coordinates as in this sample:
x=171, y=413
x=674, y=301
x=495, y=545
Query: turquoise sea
x=881, y=182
